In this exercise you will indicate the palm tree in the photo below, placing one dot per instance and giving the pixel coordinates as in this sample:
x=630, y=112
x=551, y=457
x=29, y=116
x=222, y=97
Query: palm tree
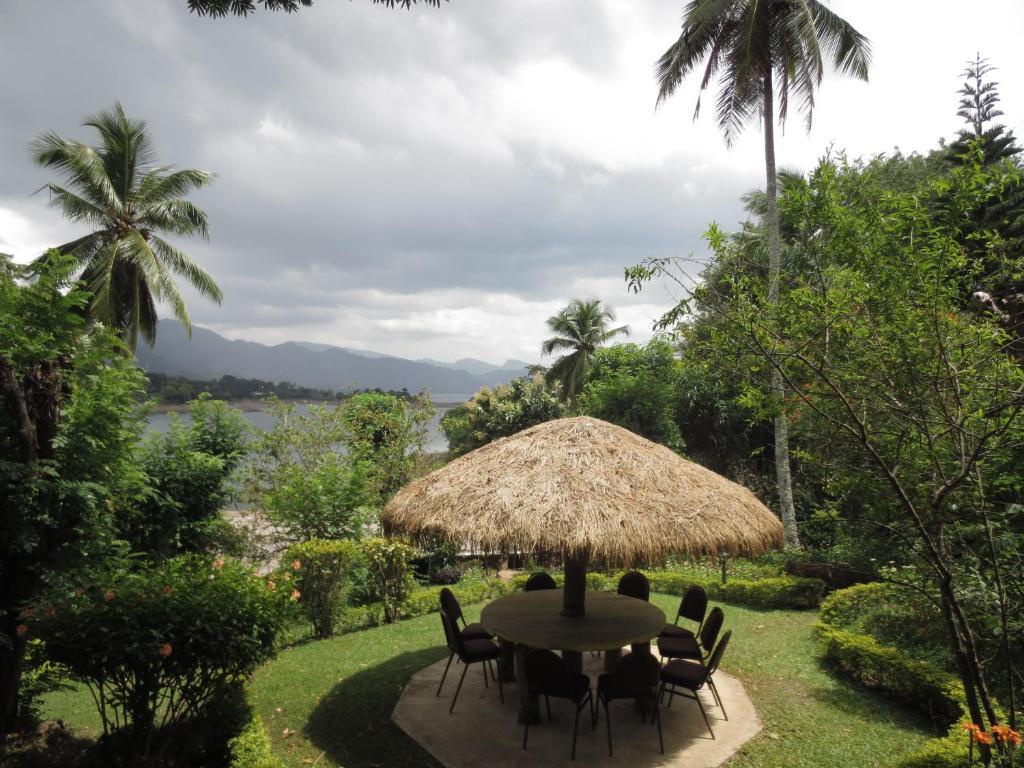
x=580, y=328
x=760, y=51
x=125, y=199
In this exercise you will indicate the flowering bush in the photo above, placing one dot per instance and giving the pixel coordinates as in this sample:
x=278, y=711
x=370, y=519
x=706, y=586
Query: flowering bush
x=160, y=646
x=320, y=569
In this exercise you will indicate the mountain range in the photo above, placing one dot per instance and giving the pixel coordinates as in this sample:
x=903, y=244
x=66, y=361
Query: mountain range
x=208, y=355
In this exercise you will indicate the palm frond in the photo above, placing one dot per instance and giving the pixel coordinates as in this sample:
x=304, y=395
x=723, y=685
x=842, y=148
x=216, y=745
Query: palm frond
x=76, y=208
x=180, y=217
x=126, y=148
x=183, y=264
x=164, y=184
x=81, y=164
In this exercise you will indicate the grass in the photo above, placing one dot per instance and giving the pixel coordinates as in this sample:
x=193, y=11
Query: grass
x=329, y=703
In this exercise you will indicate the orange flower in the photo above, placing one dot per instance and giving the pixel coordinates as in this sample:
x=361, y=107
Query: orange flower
x=1005, y=735
x=218, y=563
x=296, y=565
x=165, y=650
x=108, y=595
x=21, y=630
x=972, y=728
x=296, y=594
x=271, y=585
x=980, y=737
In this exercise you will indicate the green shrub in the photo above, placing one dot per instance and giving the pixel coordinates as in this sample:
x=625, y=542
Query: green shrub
x=160, y=646
x=251, y=748
x=387, y=561
x=776, y=592
x=321, y=568
x=950, y=751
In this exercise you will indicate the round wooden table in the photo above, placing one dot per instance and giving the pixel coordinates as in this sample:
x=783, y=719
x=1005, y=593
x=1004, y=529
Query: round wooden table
x=534, y=620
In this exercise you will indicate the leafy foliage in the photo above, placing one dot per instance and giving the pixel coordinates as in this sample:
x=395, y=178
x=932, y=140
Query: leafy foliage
x=321, y=569
x=579, y=330
x=499, y=412
x=390, y=573
x=159, y=646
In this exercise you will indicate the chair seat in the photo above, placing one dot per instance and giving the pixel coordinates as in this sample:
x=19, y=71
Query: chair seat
x=475, y=631
x=606, y=686
x=686, y=674
x=481, y=650
x=679, y=648
x=673, y=630
x=573, y=687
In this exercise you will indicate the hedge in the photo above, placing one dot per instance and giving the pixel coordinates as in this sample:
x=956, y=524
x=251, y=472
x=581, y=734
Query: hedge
x=776, y=592
x=920, y=684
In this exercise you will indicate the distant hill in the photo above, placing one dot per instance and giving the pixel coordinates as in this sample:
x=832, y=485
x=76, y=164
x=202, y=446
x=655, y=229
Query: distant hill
x=208, y=355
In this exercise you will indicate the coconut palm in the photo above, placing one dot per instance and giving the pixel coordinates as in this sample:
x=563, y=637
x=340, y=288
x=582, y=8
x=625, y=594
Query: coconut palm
x=763, y=52
x=580, y=329
x=125, y=199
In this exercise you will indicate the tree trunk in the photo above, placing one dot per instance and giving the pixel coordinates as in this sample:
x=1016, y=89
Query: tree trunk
x=782, y=474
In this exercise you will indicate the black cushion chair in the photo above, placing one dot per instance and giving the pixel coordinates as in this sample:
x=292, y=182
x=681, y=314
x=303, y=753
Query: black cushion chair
x=538, y=581
x=547, y=676
x=679, y=676
x=635, y=584
x=693, y=606
x=481, y=652
x=697, y=648
x=450, y=605
x=636, y=677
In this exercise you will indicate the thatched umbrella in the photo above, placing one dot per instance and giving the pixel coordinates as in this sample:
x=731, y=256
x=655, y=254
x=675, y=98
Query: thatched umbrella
x=588, y=489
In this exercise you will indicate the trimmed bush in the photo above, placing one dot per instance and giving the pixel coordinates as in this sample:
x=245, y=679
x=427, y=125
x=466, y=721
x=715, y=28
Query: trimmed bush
x=890, y=670
x=251, y=748
x=387, y=561
x=161, y=646
x=320, y=569
x=777, y=592
x=834, y=575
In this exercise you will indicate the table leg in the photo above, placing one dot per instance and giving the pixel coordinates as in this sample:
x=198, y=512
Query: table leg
x=529, y=706
x=573, y=661
x=506, y=662
x=611, y=660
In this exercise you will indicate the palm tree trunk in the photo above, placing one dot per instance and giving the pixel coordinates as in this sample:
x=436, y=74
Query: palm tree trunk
x=782, y=475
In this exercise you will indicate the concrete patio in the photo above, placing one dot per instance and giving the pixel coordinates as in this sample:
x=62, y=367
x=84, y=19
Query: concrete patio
x=482, y=731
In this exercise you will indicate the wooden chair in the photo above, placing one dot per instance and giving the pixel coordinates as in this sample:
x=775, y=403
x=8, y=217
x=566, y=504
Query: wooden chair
x=469, y=652
x=547, y=676
x=636, y=677
x=692, y=676
x=450, y=605
x=538, y=581
x=693, y=606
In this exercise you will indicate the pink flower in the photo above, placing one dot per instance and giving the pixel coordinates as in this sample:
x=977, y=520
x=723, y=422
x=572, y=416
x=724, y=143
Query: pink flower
x=296, y=595
x=296, y=565
x=218, y=563
x=271, y=585
x=165, y=650
x=21, y=630
x=108, y=595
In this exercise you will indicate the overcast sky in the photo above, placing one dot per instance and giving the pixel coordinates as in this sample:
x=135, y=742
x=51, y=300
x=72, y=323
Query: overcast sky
x=437, y=182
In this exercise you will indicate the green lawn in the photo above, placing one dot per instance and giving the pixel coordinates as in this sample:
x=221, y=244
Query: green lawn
x=330, y=702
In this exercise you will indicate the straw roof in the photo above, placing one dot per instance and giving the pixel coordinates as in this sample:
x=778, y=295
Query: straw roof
x=582, y=485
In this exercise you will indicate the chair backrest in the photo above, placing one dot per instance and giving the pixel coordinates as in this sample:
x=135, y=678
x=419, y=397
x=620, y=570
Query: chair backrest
x=544, y=670
x=636, y=676
x=635, y=584
x=451, y=635
x=712, y=626
x=450, y=605
x=716, y=655
x=694, y=605
x=540, y=581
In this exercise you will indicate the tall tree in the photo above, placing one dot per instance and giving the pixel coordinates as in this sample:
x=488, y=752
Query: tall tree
x=763, y=51
x=579, y=329
x=245, y=7
x=118, y=191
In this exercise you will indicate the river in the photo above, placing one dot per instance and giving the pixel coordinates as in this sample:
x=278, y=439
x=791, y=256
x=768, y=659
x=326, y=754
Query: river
x=436, y=441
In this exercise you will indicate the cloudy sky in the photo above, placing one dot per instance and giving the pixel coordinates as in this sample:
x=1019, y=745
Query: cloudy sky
x=438, y=182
